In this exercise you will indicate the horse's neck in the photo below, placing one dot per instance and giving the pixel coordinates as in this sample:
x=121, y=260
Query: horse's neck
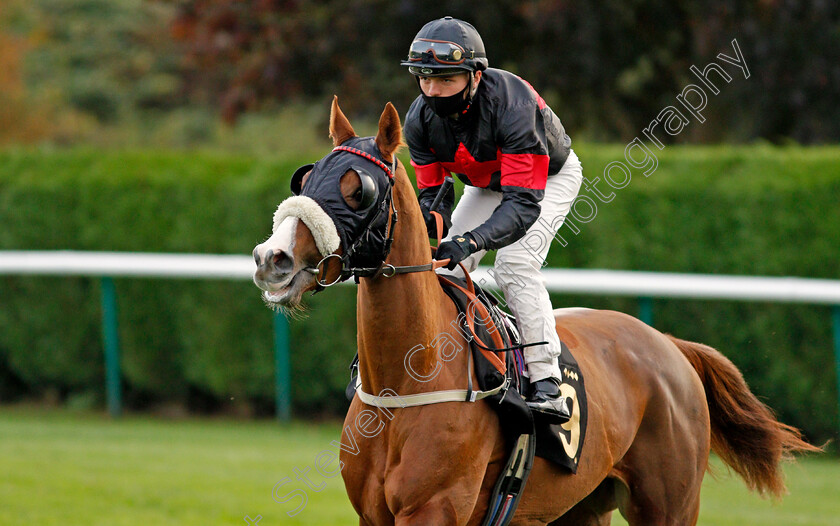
x=396, y=315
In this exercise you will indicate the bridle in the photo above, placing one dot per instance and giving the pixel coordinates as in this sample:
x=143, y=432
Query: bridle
x=383, y=269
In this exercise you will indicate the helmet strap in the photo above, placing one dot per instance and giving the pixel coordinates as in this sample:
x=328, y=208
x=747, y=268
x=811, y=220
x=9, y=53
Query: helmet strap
x=470, y=92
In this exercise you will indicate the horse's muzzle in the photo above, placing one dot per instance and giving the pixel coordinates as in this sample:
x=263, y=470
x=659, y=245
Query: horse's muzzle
x=274, y=269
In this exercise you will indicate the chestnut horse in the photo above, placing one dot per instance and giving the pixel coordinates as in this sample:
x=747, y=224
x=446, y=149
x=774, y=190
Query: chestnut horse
x=657, y=404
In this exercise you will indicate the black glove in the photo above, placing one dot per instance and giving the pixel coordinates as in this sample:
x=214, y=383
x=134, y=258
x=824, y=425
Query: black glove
x=456, y=250
x=431, y=225
x=426, y=198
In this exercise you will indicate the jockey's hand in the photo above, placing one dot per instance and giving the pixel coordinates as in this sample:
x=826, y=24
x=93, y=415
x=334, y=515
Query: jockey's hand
x=456, y=250
x=431, y=225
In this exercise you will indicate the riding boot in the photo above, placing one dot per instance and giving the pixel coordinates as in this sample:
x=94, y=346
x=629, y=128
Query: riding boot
x=545, y=401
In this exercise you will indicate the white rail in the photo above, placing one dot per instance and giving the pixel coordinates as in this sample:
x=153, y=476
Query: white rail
x=643, y=285
x=575, y=281
x=126, y=264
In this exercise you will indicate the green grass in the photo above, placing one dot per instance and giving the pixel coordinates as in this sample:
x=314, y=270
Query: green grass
x=58, y=467
x=814, y=485
x=67, y=469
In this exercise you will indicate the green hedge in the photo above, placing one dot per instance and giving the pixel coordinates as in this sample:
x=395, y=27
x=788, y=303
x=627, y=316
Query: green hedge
x=191, y=342
x=751, y=210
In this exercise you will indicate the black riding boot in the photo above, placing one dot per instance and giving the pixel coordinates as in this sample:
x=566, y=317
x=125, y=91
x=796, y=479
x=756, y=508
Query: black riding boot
x=545, y=400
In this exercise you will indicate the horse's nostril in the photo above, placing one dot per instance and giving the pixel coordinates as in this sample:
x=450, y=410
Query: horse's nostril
x=274, y=261
x=282, y=262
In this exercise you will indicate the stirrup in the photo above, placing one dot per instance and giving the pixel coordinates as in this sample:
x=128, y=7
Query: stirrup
x=556, y=411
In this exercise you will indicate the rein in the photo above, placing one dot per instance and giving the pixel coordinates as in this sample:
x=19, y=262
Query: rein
x=385, y=269
x=452, y=395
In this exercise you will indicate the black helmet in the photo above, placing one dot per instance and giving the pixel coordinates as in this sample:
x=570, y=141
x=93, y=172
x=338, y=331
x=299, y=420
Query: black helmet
x=444, y=47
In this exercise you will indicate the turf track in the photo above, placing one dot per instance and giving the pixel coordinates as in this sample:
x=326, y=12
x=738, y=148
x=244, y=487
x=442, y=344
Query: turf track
x=65, y=468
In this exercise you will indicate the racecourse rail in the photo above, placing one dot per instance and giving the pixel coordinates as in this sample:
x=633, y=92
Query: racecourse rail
x=643, y=285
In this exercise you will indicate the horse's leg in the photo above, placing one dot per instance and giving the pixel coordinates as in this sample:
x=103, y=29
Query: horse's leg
x=663, y=470
x=438, y=510
x=642, y=508
x=582, y=517
x=595, y=510
x=449, y=503
x=444, y=477
x=445, y=508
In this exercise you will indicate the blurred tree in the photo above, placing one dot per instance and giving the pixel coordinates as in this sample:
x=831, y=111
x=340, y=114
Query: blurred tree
x=607, y=67
x=97, y=61
x=22, y=118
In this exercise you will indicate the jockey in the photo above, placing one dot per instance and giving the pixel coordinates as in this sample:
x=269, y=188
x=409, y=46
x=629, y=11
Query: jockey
x=498, y=135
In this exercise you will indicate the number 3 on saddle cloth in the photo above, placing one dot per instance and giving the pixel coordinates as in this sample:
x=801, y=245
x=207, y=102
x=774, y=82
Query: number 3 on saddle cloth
x=560, y=443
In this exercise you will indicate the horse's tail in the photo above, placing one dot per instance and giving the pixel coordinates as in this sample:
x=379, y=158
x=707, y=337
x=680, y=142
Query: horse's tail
x=745, y=433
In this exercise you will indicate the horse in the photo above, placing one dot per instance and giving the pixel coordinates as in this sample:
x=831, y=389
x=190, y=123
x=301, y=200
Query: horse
x=657, y=404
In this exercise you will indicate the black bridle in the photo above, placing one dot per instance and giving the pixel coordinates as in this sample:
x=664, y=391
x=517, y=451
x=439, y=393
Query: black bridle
x=382, y=269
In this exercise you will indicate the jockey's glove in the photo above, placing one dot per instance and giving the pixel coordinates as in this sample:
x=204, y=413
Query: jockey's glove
x=431, y=225
x=456, y=250
x=426, y=198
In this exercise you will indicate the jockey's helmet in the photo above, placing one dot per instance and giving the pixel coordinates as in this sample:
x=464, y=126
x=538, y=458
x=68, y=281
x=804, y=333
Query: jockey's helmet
x=446, y=46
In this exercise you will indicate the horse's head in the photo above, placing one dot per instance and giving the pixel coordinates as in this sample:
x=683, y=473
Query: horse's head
x=339, y=217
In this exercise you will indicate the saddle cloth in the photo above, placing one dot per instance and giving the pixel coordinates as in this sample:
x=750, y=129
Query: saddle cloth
x=558, y=443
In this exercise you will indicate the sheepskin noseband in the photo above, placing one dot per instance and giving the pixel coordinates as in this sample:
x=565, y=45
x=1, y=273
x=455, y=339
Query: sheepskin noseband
x=313, y=216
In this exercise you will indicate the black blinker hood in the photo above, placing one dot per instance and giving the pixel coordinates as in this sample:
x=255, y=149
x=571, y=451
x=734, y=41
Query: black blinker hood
x=363, y=232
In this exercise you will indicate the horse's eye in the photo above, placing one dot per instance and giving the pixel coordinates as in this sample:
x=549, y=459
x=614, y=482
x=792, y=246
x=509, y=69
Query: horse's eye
x=358, y=195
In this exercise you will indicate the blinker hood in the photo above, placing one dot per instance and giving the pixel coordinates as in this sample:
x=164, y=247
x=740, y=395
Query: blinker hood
x=297, y=177
x=362, y=231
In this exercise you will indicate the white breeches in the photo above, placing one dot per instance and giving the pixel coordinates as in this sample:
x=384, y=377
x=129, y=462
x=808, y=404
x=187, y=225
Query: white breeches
x=517, y=267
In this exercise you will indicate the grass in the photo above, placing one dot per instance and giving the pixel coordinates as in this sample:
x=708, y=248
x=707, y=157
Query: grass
x=68, y=469
x=814, y=485
x=59, y=467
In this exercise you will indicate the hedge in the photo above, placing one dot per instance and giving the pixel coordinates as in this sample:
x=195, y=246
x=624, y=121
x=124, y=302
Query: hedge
x=751, y=210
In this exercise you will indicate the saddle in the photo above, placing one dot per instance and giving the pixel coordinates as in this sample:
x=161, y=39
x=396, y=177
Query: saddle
x=558, y=443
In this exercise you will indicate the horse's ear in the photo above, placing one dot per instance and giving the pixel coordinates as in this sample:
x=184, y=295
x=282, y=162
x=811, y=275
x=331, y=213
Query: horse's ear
x=340, y=129
x=389, y=138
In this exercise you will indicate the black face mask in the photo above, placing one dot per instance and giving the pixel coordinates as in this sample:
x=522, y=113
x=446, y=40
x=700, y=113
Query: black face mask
x=446, y=106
